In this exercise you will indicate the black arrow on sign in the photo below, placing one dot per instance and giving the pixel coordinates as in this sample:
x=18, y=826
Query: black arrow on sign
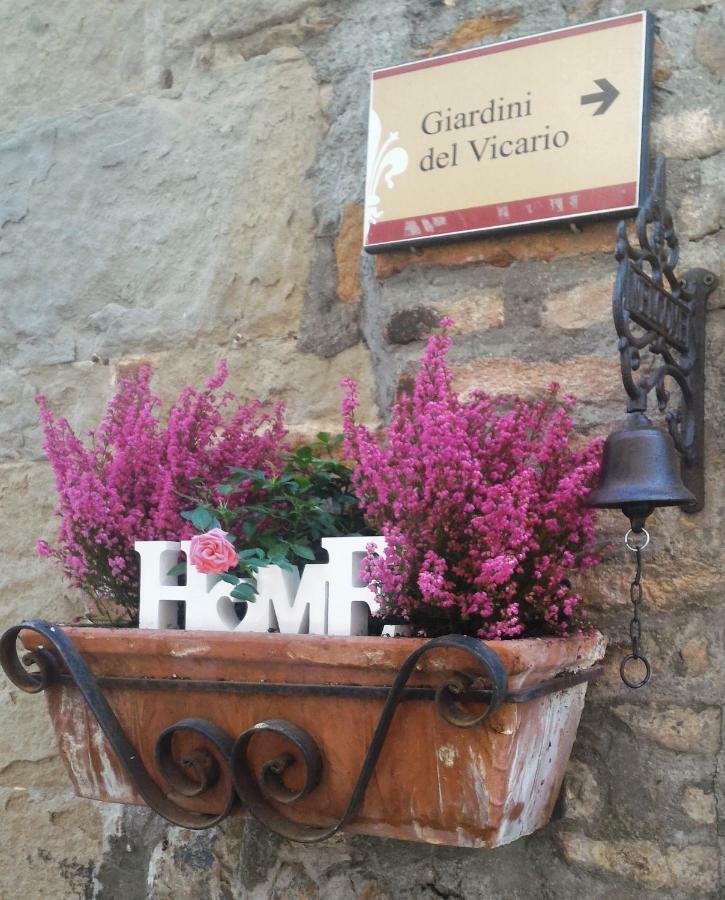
x=608, y=95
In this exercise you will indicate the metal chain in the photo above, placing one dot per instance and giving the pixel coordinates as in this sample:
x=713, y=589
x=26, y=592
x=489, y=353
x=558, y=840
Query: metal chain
x=635, y=626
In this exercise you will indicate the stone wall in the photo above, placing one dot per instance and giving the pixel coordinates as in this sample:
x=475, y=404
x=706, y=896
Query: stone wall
x=182, y=182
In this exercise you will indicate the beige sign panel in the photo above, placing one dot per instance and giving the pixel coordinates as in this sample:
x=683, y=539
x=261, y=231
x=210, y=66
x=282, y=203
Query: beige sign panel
x=535, y=129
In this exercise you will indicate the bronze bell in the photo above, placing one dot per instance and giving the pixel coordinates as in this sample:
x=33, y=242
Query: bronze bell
x=640, y=471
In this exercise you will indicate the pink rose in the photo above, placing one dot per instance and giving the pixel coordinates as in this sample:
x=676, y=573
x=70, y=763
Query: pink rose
x=212, y=552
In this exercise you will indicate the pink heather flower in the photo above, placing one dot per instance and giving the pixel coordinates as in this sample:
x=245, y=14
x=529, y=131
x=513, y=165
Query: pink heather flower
x=212, y=553
x=481, y=502
x=137, y=472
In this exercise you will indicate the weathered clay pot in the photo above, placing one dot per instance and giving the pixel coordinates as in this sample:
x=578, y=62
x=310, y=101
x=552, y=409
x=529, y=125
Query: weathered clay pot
x=477, y=787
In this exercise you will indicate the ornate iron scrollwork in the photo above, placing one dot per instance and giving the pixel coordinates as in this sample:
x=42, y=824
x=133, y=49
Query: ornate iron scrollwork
x=658, y=311
x=223, y=759
x=164, y=804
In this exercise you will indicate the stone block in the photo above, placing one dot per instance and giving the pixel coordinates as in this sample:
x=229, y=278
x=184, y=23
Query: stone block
x=582, y=795
x=309, y=386
x=328, y=325
x=473, y=312
x=185, y=865
x=78, y=391
x=694, y=578
x=19, y=422
x=46, y=773
x=410, y=325
x=61, y=55
x=29, y=745
x=693, y=869
x=482, y=29
x=311, y=22
x=694, y=655
x=273, y=370
x=191, y=214
x=189, y=23
x=38, y=351
x=689, y=133
x=348, y=247
x=710, y=42
x=472, y=297
x=588, y=378
x=662, y=64
x=674, y=727
x=699, y=214
x=502, y=250
x=700, y=805
x=579, y=307
x=51, y=844
x=30, y=587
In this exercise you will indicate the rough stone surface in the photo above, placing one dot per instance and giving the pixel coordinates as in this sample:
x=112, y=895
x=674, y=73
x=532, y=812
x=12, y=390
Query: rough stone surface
x=309, y=386
x=686, y=730
x=78, y=390
x=60, y=56
x=693, y=869
x=710, y=42
x=162, y=191
x=50, y=843
x=471, y=32
x=580, y=306
x=697, y=132
x=662, y=65
x=700, y=805
x=582, y=795
x=583, y=377
x=183, y=183
x=348, y=248
x=502, y=251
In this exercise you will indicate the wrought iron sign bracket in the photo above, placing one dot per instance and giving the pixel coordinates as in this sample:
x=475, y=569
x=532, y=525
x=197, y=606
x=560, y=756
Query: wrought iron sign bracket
x=643, y=467
x=697, y=284
x=658, y=311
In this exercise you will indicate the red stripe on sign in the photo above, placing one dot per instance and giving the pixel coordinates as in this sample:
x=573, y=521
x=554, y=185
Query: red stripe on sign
x=499, y=215
x=507, y=45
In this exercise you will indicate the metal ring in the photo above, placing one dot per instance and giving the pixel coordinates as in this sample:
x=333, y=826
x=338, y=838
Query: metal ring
x=635, y=547
x=647, y=672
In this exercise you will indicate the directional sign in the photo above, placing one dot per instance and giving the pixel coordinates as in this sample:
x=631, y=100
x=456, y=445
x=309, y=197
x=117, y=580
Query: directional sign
x=531, y=130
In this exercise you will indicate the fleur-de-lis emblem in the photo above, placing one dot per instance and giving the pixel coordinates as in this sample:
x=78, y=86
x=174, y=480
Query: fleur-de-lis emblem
x=384, y=161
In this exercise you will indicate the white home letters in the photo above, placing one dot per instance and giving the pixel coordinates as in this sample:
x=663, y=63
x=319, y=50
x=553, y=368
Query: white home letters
x=328, y=598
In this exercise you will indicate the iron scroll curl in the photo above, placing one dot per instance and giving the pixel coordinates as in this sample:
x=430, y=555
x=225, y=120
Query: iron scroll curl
x=255, y=792
x=163, y=804
x=200, y=770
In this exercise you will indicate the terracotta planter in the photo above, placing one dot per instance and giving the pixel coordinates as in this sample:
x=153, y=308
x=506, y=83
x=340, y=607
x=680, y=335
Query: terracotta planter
x=434, y=781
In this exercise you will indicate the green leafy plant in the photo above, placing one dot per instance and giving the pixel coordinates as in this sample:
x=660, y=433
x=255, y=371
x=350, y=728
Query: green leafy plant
x=284, y=516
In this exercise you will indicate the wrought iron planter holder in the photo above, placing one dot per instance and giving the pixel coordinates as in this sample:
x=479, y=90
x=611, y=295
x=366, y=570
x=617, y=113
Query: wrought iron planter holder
x=194, y=773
